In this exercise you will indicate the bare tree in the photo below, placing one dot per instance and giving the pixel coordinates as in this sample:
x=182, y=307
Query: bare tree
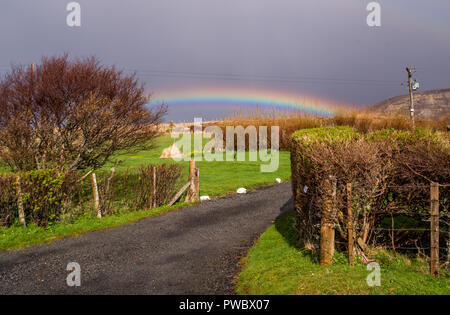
x=72, y=114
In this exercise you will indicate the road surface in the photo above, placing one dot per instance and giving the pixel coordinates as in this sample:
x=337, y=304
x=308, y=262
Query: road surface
x=194, y=250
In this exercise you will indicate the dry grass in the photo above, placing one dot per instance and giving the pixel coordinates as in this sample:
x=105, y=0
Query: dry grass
x=363, y=121
x=366, y=122
x=289, y=122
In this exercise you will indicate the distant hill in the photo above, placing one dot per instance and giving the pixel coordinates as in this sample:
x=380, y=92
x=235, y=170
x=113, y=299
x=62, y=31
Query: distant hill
x=428, y=104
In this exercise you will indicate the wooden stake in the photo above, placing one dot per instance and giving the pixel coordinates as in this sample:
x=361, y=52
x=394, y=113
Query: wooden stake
x=327, y=223
x=179, y=193
x=350, y=223
x=197, y=183
x=153, y=186
x=20, y=203
x=434, y=226
x=95, y=195
x=193, y=194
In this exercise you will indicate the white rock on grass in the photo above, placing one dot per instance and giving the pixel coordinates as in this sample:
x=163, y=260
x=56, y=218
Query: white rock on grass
x=203, y=198
x=278, y=180
x=241, y=190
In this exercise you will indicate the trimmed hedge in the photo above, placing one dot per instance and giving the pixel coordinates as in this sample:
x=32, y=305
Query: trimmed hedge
x=49, y=196
x=304, y=174
x=373, y=163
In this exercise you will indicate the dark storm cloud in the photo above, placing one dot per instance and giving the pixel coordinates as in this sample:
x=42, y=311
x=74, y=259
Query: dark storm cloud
x=316, y=47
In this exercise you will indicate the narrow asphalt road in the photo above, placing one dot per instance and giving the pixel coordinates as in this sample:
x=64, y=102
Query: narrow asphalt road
x=194, y=250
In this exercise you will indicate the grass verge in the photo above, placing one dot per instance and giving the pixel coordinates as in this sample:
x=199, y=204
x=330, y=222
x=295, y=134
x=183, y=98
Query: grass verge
x=277, y=264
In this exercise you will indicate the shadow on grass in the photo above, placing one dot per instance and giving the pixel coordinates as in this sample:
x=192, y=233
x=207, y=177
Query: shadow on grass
x=285, y=225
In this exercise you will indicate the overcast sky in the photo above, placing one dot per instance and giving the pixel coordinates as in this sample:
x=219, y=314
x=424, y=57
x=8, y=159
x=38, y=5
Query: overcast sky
x=312, y=47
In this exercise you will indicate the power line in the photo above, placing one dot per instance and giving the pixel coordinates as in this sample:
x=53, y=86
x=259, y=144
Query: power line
x=258, y=76
x=234, y=75
x=262, y=78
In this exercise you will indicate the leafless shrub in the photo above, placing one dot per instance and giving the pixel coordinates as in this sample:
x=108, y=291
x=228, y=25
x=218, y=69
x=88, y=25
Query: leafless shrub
x=134, y=189
x=167, y=179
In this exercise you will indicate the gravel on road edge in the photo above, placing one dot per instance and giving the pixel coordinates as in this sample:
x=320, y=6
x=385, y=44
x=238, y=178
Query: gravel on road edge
x=195, y=250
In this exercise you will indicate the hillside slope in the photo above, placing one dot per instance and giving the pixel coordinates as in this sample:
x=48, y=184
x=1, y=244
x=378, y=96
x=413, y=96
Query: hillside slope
x=432, y=104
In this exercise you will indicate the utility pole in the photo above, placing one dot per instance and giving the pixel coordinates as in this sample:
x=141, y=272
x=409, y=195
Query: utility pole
x=411, y=100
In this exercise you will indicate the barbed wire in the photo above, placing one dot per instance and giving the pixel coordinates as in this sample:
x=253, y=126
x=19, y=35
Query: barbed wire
x=412, y=229
x=397, y=186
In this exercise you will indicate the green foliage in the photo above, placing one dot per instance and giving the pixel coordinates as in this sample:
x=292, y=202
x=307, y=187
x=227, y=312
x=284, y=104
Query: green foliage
x=328, y=134
x=409, y=137
x=8, y=202
x=42, y=195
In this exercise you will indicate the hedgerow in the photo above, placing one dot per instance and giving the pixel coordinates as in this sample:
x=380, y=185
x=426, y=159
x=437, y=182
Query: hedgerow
x=390, y=172
x=48, y=196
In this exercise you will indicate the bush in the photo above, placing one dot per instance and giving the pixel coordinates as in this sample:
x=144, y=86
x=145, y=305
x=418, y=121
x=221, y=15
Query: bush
x=307, y=173
x=72, y=114
x=49, y=196
x=133, y=188
x=379, y=165
x=363, y=122
x=43, y=193
x=167, y=180
x=8, y=200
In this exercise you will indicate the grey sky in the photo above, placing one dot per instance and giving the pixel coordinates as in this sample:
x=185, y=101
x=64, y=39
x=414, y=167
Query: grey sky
x=174, y=43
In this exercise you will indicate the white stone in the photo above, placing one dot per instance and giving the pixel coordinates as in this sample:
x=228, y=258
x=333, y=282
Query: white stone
x=241, y=190
x=278, y=180
x=203, y=198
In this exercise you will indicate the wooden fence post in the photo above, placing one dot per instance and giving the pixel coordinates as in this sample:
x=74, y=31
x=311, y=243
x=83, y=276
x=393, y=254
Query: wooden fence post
x=434, y=227
x=153, y=186
x=350, y=223
x=327, y=223
x=95, y=195
x=20, y=202
x=197, y=183
x=193, y=194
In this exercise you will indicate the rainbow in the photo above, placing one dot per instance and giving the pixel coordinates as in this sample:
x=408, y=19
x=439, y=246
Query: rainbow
x=238, y=97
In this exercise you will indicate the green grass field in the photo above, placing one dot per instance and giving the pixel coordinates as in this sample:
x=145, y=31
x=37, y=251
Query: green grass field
x=277, y=264
x=216, y=179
